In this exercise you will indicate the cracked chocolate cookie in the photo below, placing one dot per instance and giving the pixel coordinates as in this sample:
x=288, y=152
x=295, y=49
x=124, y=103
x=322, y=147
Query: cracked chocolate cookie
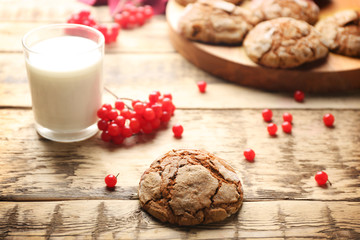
x=304, y=10
x=342, y=32
x=186, y=2
x=216, y=22
x=284, y=43
x=190, y=187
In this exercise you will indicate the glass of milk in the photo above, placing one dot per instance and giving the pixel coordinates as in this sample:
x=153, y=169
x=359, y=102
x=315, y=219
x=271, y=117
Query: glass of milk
x=64, y=64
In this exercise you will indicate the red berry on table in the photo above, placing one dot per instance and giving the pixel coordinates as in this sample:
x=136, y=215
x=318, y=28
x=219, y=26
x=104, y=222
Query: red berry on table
x=112, y=114
x=286, y=127
x=177, y=130
x=167, y=95
x=287, y=117
x=249, y=154
x=267, y=115
x=102, y=113
x=110, y=180
x=84, y=14
x=105, y=136
x=157, y=107
x=328, y=119
x=149, y=114
x=272, y=129
x=155, y=124
x=202, y=86
x=107, y=106
x=126, y=132
x=119, y=104
x=321, y=178
x=167, y=104
x=102, y=125
x=114, y=129
x=148, y=11
x=153, y=97
x=165, y=117
x=139, y=107
x=146, y=127
x=299, y=96
x=125, y=113
x=119, y=139
x=120, y=121
x=134, y=125
x=140, y=18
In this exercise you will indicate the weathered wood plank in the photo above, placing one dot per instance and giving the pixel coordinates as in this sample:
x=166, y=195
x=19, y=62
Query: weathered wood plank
x=152, y=37
x=135, y=75
x=32, y=168
x=119, y=219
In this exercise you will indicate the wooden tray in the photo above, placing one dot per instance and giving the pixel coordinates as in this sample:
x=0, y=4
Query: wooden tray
x=336, y=73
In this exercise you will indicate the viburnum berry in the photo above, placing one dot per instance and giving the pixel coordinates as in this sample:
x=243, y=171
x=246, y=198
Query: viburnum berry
x=322, y=178
x=202, y=86
x=168, y=95
x=149, y=114
x=114, y=129
x=166, y=116
x=119, y=139
x=102, y=125
x=102, y=113
x=299, y=96
x=328, y=119
x=287, y=117
x=155, y=123
x=105, y=136
x=267, y=115
x=111, y=180
x=112, y=114
x=286, y=127
x=119, y=104
x=131, y=16
x=126, y=132
x=84, y=17
x=177, y=130
x=272, y=129
x=249, y=154
x=153, y=97
x=121, y=122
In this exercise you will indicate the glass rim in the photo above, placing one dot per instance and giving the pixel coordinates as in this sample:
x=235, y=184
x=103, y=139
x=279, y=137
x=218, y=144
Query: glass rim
x=63, y=25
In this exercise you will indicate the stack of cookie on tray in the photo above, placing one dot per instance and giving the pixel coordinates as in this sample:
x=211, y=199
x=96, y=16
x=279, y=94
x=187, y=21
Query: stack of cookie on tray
x=274, y=33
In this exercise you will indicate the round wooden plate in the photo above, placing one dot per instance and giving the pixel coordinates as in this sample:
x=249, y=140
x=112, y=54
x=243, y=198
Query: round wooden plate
x=335, y=73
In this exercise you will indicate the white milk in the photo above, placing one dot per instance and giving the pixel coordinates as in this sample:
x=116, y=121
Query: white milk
x=66, y=90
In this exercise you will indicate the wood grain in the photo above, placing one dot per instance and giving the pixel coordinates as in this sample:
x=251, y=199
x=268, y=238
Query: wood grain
x=336, y=73
x=152, y=37
x=32, y=167
x=122, y=219
x=136, y=75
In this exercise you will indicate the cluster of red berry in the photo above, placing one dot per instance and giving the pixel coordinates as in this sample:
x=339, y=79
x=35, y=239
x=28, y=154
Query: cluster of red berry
x=120, y=122
x=84, y=17
x=132, y=16
x=321, y=177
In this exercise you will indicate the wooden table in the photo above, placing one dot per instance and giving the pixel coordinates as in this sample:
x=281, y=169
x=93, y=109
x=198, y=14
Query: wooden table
x=50, y=190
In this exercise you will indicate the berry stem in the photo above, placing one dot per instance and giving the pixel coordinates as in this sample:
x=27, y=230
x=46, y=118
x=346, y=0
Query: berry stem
x=329, y=183
x=117, y=175
x=115, y=96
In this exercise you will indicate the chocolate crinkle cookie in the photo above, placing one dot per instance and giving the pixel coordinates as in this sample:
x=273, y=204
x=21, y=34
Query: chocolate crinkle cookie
x=304, y=10
x=216, y=22
x=341, y=32
x=284, y=43
x=190, y=187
